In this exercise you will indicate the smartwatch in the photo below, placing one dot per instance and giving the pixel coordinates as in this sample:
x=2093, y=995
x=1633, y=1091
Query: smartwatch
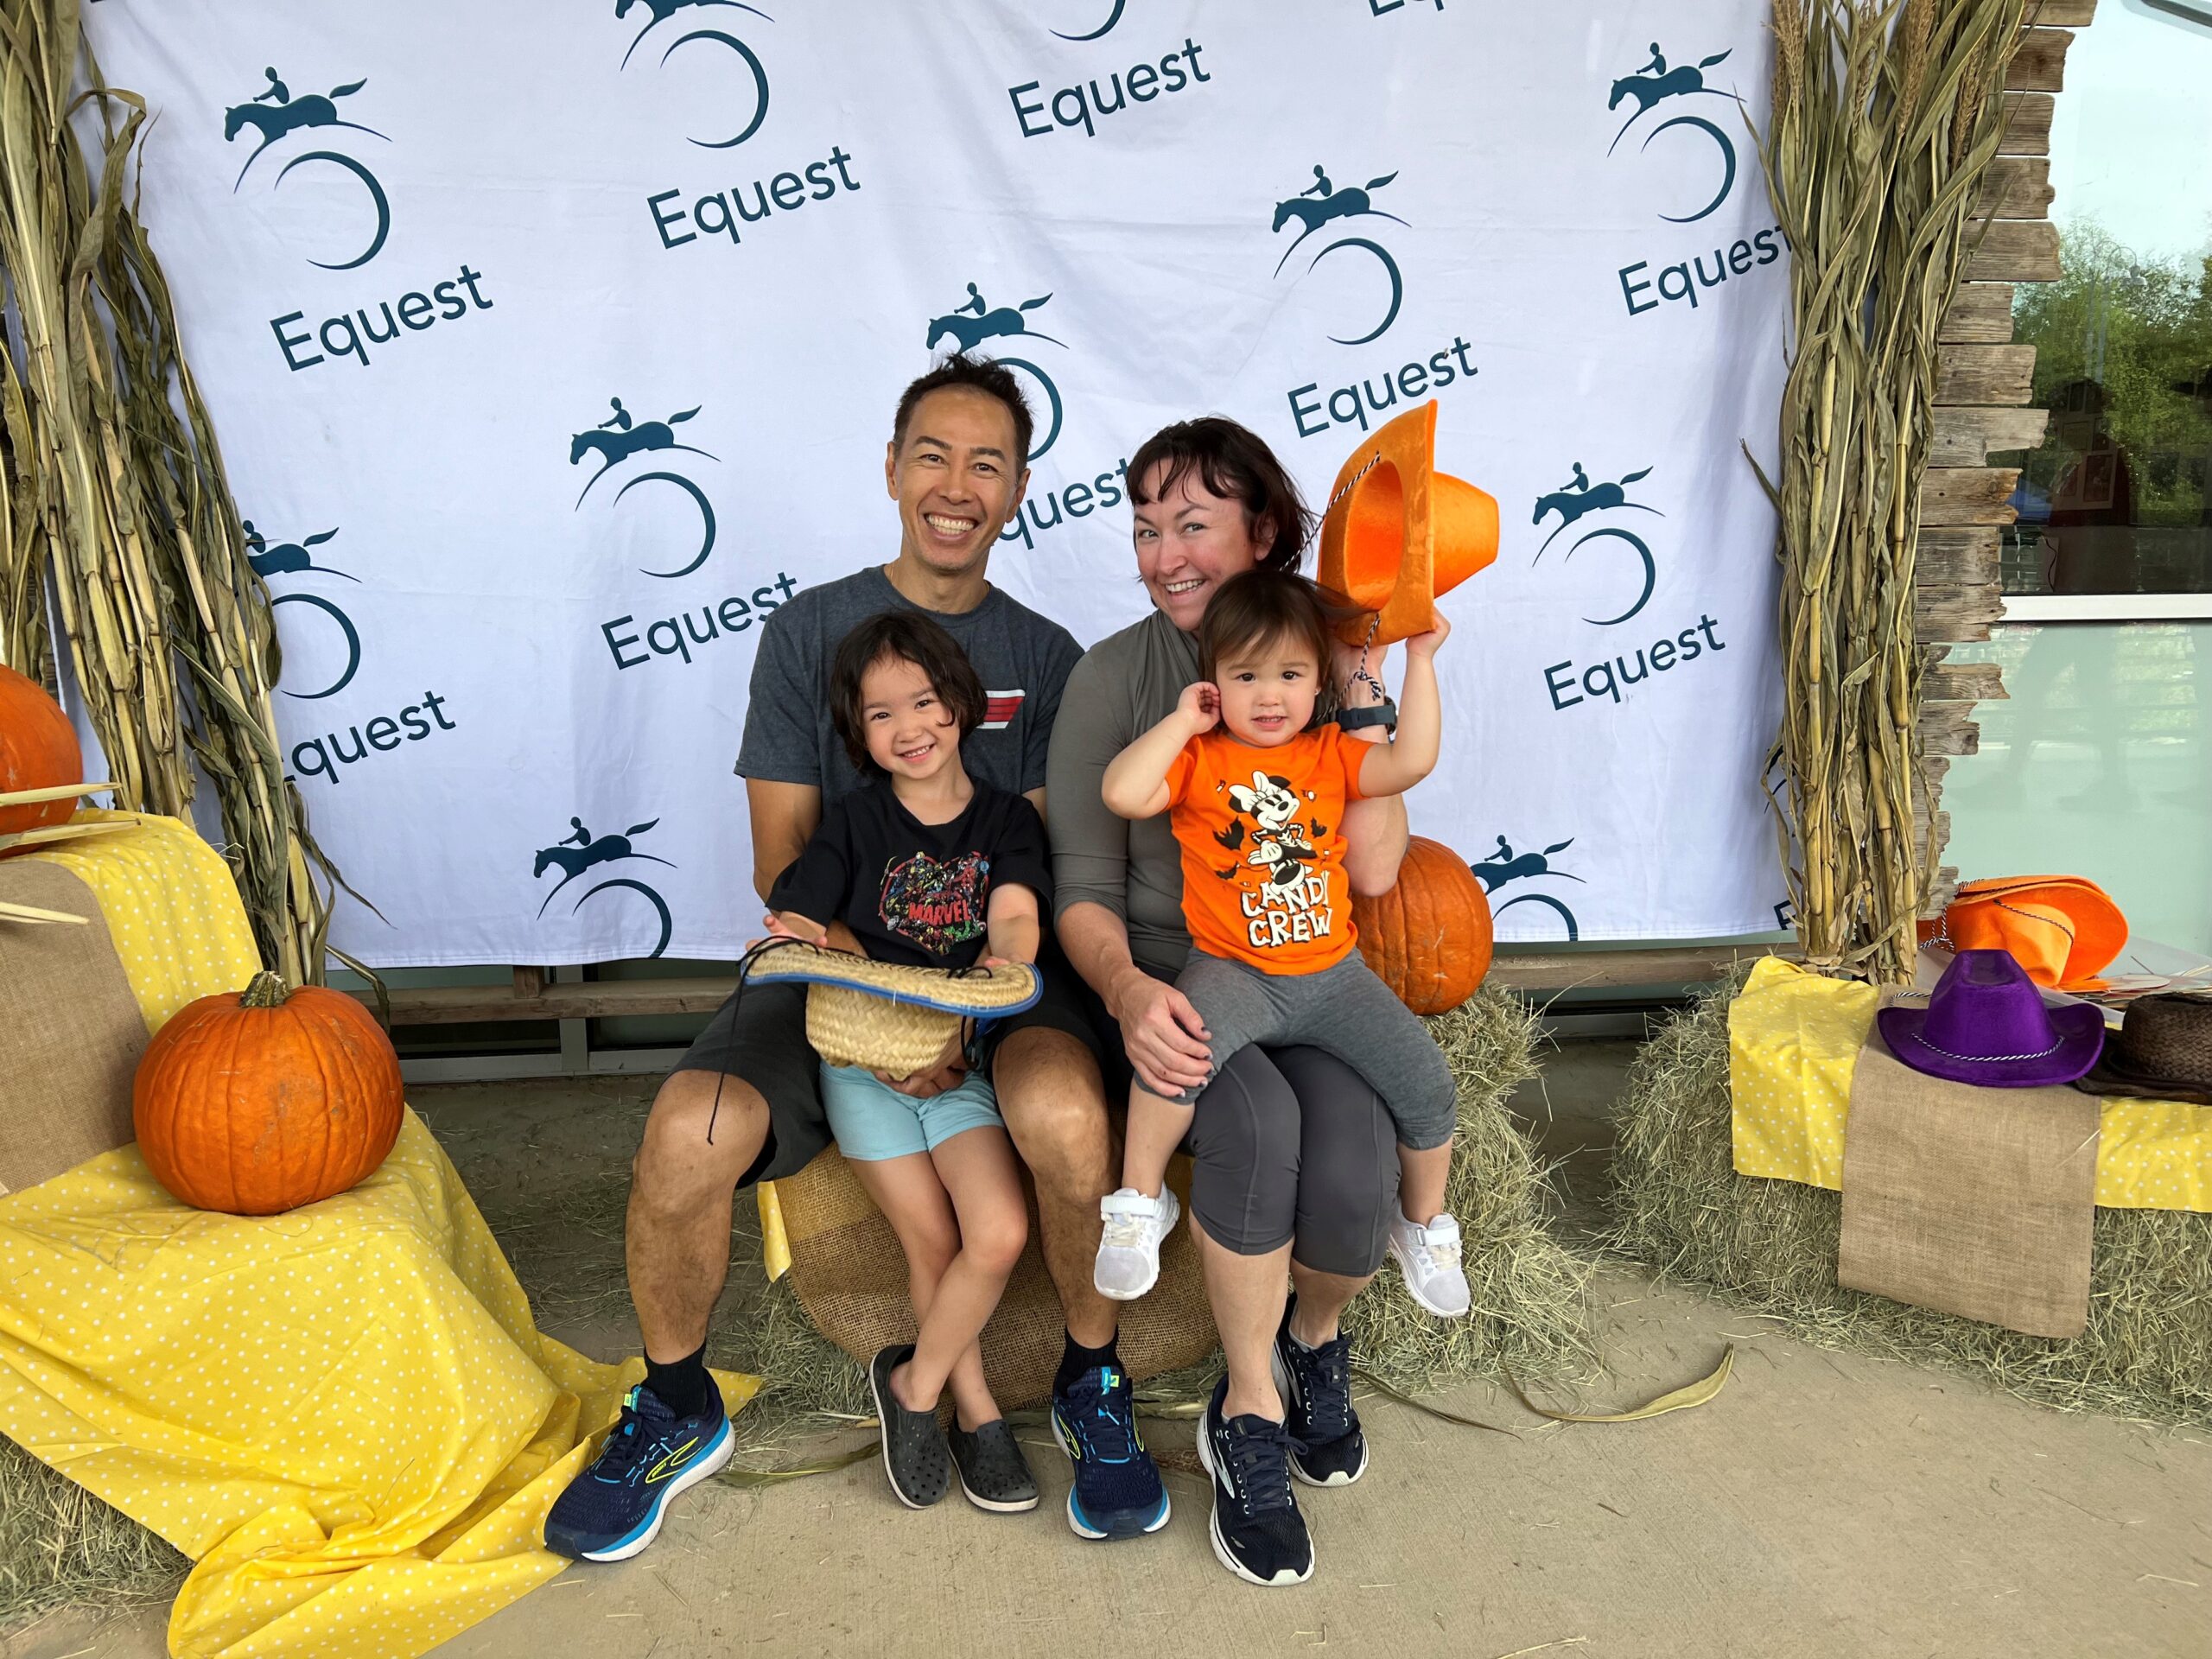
x=1383, y=714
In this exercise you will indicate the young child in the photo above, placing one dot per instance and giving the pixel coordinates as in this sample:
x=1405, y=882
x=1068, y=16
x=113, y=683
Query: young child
x=1257, y=793
x=927, y=866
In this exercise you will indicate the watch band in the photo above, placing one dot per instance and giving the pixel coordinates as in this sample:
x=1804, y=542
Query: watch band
x=1383, y=714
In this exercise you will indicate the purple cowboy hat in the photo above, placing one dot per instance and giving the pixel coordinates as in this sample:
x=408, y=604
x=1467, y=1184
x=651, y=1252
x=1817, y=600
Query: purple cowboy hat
x=1986, y=1023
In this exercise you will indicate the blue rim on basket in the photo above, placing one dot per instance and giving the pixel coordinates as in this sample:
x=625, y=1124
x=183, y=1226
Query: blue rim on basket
x=1986, y=1023
x=820, y=965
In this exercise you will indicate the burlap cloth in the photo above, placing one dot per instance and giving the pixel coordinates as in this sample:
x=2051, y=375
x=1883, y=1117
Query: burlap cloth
x=1977, y=1202
x=71, y=1031
x=851, y=1278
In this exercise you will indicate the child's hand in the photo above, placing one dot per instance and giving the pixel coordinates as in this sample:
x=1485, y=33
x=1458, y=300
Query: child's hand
x=1425, y=645
x=789, y=925
x=1199, y=706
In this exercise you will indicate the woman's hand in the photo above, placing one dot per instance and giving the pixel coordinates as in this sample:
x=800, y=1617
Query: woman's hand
x=1425, y=645
x=1165, y=1039
x=1352, y=692
x=1199, y=706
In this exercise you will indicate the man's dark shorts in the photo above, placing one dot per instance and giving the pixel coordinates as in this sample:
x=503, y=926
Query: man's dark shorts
x=760, y=1035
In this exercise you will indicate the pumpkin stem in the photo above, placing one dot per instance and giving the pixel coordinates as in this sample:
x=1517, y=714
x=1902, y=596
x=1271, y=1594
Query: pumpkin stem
x=267, y=991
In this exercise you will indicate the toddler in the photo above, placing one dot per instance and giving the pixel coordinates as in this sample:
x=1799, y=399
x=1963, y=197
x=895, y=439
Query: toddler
x=1257, y=791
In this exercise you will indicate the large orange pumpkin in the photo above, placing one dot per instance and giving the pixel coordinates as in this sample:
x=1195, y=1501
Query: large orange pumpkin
x=259, y=1102
x=38, y=750
x=1428, y=938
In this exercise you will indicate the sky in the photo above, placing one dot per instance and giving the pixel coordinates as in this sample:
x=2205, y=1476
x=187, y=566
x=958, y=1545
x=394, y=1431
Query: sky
x=2132, y=143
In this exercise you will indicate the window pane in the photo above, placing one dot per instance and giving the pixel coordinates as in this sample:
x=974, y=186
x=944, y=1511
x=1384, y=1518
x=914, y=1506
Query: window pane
x=2116, y=501
x=2096, y=764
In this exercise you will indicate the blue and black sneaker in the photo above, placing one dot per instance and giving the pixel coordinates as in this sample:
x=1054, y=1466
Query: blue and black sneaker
x=1117, y=1491
x=613, y=1509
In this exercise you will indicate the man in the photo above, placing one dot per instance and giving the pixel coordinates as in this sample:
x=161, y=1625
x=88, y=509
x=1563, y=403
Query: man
x=1321, y=186
x=956, y=465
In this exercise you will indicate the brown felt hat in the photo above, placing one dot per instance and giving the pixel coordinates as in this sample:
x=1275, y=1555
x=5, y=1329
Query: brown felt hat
x=2163, y=1050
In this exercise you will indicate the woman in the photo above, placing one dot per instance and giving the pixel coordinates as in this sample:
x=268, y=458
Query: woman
x=1296, y=1171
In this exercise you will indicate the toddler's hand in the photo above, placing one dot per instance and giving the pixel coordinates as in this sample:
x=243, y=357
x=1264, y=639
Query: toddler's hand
x=1425, y=645
x=1200, y=706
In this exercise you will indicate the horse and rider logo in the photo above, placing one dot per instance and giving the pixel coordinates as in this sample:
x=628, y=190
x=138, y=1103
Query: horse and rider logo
x=1326, y=204
x=662, y=10
x=621, y=435
x=1578, y=498
x=579, y=850
x=975, y=319
x=1654, y=83
x=1506, y=865
x=1103, y=30
x=274, y=113
x=292, y=558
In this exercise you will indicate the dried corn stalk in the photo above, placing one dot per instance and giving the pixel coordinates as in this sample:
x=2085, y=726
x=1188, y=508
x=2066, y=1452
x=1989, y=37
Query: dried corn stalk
x=1886, y=114
x=114, y=492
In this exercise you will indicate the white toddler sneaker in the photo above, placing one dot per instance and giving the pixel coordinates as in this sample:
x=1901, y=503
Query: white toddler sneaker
x=1128, y=1250
x=1429, y=1258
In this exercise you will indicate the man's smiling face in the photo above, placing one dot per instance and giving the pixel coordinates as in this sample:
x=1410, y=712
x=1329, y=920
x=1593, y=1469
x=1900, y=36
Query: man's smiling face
x=957, y=478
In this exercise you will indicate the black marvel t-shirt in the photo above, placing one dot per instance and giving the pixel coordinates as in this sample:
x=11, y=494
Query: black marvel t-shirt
x=913, y=892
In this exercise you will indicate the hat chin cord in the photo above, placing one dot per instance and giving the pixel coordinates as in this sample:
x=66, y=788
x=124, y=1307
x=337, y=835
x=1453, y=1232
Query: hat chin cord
x=1374, y=617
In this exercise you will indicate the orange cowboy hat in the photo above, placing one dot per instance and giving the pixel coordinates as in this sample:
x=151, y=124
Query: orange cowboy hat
x=1399, y=534
x=2062, y=929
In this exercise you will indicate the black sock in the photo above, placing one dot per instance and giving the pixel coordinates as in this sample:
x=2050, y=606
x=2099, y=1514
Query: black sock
x=1075, y=1359
x=681, y=1383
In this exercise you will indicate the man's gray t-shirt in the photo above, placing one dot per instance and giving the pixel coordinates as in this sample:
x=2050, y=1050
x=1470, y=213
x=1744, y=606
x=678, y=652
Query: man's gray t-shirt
x=1022, y=658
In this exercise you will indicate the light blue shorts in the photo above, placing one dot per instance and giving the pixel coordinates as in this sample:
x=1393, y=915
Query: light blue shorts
x=873, y=1121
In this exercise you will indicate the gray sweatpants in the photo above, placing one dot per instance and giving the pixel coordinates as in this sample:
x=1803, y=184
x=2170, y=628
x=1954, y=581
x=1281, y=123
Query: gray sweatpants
x=1345, y=1011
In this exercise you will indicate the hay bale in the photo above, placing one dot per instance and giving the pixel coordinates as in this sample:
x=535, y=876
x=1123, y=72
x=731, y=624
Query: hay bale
x=1680, y=1206
x=1531, y=1294
x=60, y=1546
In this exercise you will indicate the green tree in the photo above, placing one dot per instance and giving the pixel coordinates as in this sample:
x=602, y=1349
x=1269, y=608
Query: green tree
x=2142, y=330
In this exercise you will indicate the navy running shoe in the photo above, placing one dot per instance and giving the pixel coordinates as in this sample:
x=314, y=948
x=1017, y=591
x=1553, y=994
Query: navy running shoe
x=1315, y=1384
x=1117, y=1491
x=1257, y=1531
x=615, y=1509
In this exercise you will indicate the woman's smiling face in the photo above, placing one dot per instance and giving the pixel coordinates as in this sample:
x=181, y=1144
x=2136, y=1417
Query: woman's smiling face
x=1189, y=541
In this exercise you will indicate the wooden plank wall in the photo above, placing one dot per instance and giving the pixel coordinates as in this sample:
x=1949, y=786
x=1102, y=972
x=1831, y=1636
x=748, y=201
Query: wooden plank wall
x=1982, y=389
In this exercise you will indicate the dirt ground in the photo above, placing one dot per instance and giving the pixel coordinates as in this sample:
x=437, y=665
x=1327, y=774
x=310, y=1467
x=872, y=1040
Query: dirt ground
x=1824, y=1506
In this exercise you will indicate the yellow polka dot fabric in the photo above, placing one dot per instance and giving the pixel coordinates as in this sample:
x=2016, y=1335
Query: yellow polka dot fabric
x=344, y=1415
x=1794, y=1037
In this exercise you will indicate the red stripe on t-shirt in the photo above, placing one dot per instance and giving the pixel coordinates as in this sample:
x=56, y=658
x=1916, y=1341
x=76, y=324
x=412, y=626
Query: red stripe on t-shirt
x=999, y=707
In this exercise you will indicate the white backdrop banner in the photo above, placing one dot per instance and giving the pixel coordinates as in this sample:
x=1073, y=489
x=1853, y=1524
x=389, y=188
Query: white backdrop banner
x=553, y=344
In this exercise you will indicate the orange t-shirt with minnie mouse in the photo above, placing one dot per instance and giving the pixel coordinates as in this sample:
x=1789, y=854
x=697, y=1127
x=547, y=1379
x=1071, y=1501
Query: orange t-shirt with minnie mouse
x=1263, y=848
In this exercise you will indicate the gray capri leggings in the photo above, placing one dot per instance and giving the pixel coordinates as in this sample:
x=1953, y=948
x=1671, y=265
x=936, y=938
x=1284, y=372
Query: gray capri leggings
x=1290, y=1145
x=1345, y=1010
